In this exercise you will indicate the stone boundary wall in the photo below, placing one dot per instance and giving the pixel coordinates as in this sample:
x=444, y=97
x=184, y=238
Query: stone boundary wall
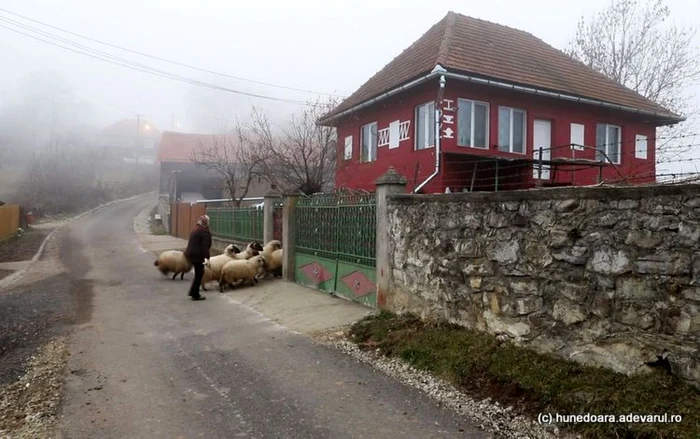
x=604, y=276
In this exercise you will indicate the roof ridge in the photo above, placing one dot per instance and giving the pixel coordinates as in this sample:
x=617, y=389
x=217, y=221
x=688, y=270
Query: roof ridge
x=446, y=43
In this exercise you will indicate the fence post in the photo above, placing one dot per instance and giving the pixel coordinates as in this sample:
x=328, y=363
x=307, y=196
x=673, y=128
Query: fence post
x=388, y=184
x=288, y=235
x=269, y=215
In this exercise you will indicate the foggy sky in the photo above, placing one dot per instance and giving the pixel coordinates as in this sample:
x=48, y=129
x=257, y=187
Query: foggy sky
x=323, y=46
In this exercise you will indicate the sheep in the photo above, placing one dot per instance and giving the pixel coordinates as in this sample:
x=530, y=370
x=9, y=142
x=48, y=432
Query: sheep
x=252, y=249
x=212, y=267
x=274, y=263
x=173, y=261
x=236, y=272
x=273, y=247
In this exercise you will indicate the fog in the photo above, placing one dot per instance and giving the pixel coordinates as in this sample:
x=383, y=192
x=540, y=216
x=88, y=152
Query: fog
x=328, y=48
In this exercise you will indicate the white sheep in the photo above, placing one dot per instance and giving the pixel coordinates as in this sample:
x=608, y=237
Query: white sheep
x=173, y=261
x=252, y=249
x=274, y=263
x=236, y=272
x=272, y=251
x=213, y=266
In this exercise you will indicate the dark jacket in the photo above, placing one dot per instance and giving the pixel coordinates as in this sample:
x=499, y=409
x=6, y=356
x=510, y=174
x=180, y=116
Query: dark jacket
x=198, y=245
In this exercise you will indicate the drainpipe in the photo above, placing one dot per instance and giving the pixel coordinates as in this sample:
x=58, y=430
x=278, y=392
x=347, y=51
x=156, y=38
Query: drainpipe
x=438, y=114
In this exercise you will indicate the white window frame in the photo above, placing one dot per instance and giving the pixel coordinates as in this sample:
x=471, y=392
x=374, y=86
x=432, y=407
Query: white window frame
x=347, y=152
x=472, y=103
x=606, y=143
x=429, y=140
x=641, y=147
x=510, y=129
x=372, y=153
x=574, y=145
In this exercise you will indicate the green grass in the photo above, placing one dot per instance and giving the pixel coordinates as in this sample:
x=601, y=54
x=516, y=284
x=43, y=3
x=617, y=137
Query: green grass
x=484, y=367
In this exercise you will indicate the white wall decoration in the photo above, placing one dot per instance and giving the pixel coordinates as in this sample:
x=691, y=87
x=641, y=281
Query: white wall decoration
x=404, y=131
x=383, y=137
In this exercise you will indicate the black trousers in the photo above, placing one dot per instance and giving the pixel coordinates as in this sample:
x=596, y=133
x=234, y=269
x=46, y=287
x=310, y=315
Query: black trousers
x=197, y=281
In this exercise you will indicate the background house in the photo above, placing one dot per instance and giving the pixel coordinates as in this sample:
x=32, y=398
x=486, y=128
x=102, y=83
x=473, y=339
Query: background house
x=130, y=140
x=182, y=180
x=505, y=95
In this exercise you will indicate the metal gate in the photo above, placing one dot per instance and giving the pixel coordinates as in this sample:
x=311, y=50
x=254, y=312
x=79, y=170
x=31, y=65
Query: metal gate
x=335, y=244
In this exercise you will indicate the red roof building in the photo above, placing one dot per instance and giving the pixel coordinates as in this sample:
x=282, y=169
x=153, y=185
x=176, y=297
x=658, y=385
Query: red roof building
x=474, y=105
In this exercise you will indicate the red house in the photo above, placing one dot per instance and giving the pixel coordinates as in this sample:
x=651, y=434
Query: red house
x=473, y=105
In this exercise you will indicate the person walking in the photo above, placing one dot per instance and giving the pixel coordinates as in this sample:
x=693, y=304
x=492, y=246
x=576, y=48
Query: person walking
x=197, y=251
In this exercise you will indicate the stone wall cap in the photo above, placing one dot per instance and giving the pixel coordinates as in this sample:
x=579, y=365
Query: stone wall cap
x=391, y=177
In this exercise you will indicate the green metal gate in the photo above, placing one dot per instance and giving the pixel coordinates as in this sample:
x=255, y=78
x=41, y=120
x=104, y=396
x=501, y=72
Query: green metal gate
x=336, y=244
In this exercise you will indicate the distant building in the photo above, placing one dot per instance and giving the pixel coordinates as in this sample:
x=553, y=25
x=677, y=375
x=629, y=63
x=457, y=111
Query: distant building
x=183, y=180
x=131, y=141
x=502, y=95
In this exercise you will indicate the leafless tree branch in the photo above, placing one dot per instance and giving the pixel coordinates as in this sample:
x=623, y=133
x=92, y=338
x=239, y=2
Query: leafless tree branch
x=632, y=42
x=234, y=158
x=301, y=156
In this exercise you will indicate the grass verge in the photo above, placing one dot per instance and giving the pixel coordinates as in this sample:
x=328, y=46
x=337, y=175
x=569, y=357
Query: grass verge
x=533, y=383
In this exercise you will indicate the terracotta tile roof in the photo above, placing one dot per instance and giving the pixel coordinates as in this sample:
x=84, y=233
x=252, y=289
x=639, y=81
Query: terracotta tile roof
x=488, y=50
x=180, y=147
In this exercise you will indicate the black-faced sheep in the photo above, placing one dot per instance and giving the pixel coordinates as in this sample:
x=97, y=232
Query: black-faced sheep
x=252, y=249
x=212, y=267
x=173, y=261
x=237, y=271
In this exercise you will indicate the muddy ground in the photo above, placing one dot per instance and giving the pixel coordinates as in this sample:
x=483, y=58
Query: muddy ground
x=22, y=248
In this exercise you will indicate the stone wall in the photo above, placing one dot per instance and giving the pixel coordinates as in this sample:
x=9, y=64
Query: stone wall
x=606, y=276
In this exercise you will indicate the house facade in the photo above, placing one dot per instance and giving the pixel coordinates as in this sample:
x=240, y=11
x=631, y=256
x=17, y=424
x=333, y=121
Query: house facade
x=476, y=106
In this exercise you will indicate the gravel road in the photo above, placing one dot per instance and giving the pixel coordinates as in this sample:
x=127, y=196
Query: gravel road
x=146, y=362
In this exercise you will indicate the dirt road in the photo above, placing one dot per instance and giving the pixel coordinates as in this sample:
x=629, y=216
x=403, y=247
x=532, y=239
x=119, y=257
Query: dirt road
x=146, y=362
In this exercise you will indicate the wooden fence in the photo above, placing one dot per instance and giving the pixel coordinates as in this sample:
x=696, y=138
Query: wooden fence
x=9, y=220
x=183, y=218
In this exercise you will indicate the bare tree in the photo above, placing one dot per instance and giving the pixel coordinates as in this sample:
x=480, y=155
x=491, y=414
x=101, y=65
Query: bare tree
x=301, y=158
x=234, y=159
x=632, y=43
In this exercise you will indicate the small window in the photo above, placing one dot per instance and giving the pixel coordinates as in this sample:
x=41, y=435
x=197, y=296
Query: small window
x=473, y=123
x=425, y=126
x=577, y=136
x=348, y=148
x=511, y=130
x=368, y=145
x=640, y=149
x=608, y=143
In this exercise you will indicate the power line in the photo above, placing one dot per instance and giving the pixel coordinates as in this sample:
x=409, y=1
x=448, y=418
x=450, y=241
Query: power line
x=213, y=72
x=92, y=99
x=146, y=69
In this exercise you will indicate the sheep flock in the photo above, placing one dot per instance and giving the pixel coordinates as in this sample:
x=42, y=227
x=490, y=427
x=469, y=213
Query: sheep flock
x=232, y=268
